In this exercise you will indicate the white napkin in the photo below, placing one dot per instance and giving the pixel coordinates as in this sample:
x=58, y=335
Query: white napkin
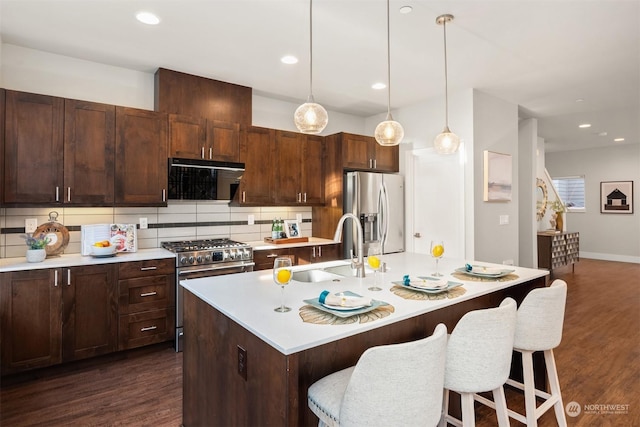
x=428, y=283
x=486, y=270
x=346, y=300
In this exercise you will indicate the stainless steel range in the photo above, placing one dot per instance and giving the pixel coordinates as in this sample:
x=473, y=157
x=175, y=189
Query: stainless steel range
x=206, y=258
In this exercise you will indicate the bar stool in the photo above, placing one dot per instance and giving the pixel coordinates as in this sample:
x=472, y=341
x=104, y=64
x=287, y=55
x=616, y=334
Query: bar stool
x=539, y=328
x=479, y=360
x=393, y=385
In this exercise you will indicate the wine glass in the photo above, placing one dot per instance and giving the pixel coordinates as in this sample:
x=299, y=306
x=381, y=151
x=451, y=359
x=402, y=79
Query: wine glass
x=373, y=259
x=282, y=276
x=437, y=250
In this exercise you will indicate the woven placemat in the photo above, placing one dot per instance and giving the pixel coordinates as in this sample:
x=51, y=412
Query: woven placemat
x=407, y=293
x=310, y=314
x=470, y=278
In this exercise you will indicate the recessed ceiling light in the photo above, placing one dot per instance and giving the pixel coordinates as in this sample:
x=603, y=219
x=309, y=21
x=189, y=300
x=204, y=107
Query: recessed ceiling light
x=584, y=125
x=602, y=134
x=406, y=9
x=147, y=18
x=289, y=59
x=618, y=139
x=378, y=86
x=579, y=100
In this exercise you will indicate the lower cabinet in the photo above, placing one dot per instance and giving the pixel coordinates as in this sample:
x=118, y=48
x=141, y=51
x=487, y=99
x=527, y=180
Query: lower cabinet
x=299, y=255
x=51, y=316
x=147, y=302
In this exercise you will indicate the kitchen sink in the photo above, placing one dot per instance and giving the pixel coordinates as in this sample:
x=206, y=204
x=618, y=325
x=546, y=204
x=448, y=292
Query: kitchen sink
x=312, y=276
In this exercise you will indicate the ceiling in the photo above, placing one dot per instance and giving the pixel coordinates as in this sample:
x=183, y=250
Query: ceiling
x=541, y=55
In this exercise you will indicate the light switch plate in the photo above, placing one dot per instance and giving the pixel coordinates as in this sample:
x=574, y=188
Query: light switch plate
x=251, y=219
x=504, y=219
x=299, y=217
x=30, y=225
x=143, y=223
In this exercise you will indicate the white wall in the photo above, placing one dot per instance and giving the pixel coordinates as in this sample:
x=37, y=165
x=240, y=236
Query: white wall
x=526, y=171
x=602, y=236
x=495, y=128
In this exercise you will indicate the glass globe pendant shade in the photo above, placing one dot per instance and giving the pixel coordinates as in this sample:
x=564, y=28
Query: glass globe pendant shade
x=389, y=132
x=310, y=117
x=447, y=142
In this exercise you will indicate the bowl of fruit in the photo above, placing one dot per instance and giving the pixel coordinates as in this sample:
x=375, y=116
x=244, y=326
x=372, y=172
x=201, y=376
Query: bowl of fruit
x=103, y=248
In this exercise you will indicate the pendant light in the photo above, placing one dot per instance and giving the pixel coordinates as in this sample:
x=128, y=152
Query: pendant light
x=389, y=132
x=447, y=142
x=310, y=117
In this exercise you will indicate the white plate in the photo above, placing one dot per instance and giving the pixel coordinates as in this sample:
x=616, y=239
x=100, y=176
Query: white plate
x=105, y=255
x=450, y=285
x=479, y=274
x=342, y=307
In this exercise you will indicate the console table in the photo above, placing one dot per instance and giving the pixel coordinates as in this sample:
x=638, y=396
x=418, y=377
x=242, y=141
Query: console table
x=558, y=249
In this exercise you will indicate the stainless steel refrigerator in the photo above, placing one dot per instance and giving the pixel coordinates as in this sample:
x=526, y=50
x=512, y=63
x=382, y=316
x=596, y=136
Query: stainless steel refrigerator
x=377, y=199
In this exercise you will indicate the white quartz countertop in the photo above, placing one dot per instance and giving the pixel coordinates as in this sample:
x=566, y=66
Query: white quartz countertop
x=263, y=246
x=72, y=260
x=249, y=298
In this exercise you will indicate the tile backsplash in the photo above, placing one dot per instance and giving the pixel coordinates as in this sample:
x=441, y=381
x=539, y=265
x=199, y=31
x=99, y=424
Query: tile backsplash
x=178, y=221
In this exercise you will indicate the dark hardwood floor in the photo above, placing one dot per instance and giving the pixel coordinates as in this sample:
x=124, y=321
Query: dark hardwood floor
x=598, y=363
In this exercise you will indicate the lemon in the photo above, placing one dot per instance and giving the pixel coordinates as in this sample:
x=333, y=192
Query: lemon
x=283, y=276
x=437, y=251
x=374, y=262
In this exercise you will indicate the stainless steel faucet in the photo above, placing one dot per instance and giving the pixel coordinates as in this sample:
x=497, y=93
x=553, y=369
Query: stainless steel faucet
x=338, y=238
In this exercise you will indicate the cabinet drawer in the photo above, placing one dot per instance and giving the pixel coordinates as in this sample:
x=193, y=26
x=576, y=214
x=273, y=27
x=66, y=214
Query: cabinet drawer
x=146, y=328
x=153, y=267
x=263, y=259
x=146, y=293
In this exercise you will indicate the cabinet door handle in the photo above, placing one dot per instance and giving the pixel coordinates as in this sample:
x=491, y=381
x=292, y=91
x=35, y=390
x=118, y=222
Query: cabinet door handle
x=375, y=163
x=164, y=195
x=148, y=268
x=57, y=194
x=148, y=294
x=299, y=197
x=272, y=256
x=55, y=278
x=148, y=328
x=320, y=251
x=68, y=194
x=202, y=152
x=210, y=153
x=370, y=163
x=68, y=277
x=313, y=252
x=305, y=197
x=243, y=197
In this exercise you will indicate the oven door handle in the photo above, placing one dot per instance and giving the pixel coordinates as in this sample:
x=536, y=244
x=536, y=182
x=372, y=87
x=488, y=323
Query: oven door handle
x=223, y=267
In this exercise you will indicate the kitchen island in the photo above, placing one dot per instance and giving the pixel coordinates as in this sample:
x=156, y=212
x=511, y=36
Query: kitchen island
x=245, y=364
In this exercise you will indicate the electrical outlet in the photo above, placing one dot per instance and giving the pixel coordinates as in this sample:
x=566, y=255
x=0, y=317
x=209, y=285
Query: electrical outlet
x=242, y=362
x=251, y=219
x=299, y=217
x=143, y=223
x=30, y=225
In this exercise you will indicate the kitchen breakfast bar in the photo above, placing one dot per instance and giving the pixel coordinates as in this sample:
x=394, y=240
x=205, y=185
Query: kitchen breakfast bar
x=247, y=365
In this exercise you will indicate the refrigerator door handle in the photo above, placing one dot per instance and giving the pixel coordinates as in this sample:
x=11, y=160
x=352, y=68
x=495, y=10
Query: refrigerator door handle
x=383, y=208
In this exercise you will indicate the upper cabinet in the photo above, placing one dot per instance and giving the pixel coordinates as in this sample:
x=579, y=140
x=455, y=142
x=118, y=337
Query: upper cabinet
x=141, y=153
x=33, y=148
x=256, y=152
x=198, y=138
x=364, y=153
x=189, y=95
x=299, y=169
x=89, y=145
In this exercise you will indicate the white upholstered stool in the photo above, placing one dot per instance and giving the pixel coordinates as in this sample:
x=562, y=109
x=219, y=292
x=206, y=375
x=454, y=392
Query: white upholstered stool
x=479, y=360
x=539, y=328
x=391, y=385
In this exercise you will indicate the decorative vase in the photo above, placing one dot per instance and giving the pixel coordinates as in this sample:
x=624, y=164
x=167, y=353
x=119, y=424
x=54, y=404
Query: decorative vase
x=36, y=255
x=559, y=222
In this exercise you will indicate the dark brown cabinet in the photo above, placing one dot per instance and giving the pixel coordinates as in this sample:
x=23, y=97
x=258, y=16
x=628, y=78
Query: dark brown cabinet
x=30, y=320
x=558, y=249
x=141, y=158
x=197, y=138
x=147, y=302
x=89, y=153
x=2, y=117
x=90, y=311
x=256, y=152
x=364, y=153
x=55, y=315
x=299, y=255
x=299, y=168
x=33, y=148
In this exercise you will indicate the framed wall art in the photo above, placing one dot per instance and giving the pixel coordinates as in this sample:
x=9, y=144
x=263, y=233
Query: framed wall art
x=292, y=228
x=497, y=177
x=616, y=197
